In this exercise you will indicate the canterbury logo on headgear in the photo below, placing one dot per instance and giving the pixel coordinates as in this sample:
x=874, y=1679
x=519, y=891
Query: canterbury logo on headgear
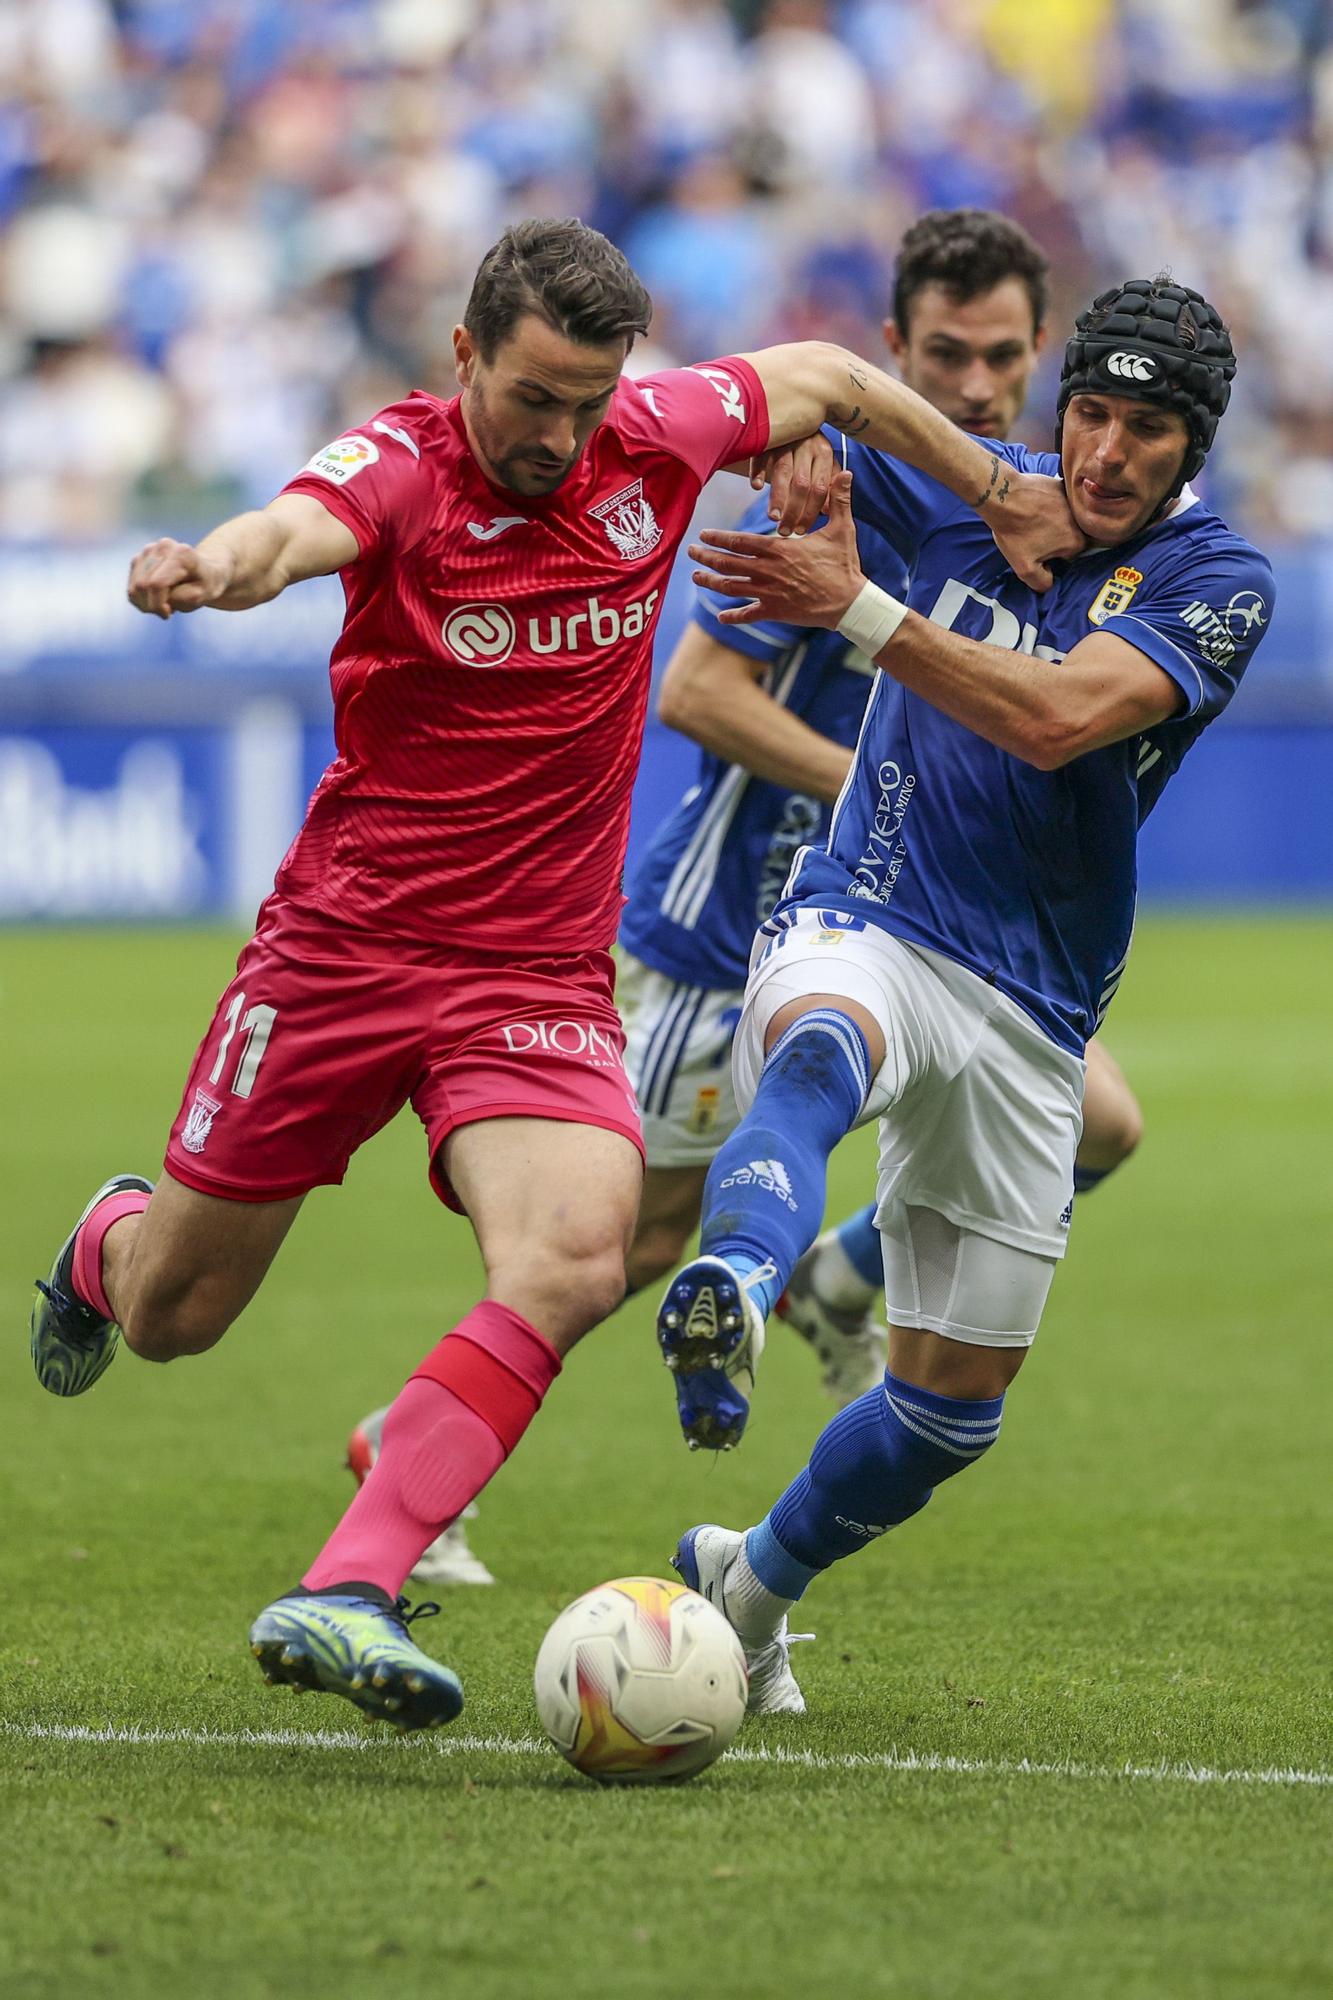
x=1131, y=367
x=1181, y=357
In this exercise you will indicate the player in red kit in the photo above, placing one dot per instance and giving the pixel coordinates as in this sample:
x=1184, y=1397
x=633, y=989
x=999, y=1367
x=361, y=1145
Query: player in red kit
x=439, y=932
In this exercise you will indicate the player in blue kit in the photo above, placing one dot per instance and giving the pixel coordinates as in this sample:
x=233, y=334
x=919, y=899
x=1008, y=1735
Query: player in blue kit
x=776, y=709
x=941, y=963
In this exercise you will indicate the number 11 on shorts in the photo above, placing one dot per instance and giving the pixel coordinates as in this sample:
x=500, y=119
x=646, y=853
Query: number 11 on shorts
x=256, y=1026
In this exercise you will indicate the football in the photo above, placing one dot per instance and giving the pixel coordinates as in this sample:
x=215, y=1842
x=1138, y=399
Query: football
x=640, y=1682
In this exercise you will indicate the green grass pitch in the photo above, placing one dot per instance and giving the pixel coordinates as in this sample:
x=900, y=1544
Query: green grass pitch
x=1138, y=1577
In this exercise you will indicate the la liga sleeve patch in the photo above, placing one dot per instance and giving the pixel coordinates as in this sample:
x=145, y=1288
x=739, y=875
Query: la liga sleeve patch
x=344, y=458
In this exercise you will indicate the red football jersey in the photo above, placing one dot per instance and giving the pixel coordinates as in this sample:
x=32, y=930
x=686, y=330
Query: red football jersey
x=491, y=678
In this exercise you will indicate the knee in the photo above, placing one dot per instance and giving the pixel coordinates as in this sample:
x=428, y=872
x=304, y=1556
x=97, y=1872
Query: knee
x=162, y=1328
x=592, y=1283
x=567, y=1291
x=962, y=1370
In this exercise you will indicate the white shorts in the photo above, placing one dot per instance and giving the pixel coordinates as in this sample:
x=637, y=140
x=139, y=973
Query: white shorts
x=980, y=1115
x=678, y=1056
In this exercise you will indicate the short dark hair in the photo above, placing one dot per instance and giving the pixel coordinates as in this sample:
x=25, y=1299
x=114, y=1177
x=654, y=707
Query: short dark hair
x=967, y=251
x=568, y=275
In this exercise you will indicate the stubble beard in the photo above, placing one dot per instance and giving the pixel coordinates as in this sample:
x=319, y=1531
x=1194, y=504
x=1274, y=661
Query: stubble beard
x=509, y=469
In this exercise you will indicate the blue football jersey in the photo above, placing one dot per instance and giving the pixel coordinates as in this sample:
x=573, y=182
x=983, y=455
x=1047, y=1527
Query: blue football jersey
x=718, y=864
x=1027, y=877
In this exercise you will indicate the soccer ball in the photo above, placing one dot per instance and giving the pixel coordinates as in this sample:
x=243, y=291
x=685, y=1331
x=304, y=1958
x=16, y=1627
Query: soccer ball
x=640, y=1682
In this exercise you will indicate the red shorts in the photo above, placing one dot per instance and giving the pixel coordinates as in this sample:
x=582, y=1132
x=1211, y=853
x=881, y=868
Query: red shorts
x=324, y=1035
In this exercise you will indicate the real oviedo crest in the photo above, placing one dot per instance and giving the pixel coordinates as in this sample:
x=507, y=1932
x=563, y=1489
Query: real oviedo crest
x=1114, y=595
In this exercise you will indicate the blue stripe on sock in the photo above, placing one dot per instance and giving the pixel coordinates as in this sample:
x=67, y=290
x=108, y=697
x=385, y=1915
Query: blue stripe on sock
x=873, y=1467
x=964, y=1428
x=776, y=1570
x=845, y=1033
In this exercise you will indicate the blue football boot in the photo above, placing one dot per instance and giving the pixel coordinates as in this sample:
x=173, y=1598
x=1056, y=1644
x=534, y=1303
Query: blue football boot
x=711, y=1333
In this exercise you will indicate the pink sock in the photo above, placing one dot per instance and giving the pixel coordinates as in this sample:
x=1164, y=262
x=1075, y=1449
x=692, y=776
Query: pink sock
x=449, y=1431
x=87, y=1268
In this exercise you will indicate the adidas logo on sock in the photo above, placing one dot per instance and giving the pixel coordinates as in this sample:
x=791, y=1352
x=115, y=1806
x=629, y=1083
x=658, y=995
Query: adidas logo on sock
x=770, y=1175
x=868, y=1529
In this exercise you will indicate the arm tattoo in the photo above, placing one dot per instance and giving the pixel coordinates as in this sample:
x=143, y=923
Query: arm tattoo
x=999, y=487
x=987, y=491
x=853, y=425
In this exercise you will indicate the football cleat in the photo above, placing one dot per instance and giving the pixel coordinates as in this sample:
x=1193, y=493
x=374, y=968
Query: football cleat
x=711, y=1333
x=352, y=1640
x=850, y=1342
x=71, y=1343
x=702, y=1560
x=448, y=1559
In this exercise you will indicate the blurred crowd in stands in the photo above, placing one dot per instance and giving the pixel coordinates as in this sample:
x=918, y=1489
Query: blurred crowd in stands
x=230, y=227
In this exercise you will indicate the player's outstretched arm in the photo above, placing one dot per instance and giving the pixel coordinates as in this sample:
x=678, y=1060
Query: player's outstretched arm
x=710, y=692
x=812, y=382
x=1047, y=714
x=246, y=561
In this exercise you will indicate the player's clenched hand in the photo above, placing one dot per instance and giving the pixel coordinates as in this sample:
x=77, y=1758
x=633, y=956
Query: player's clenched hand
x=798, y=477
x=172, y=576
x=1029, y=516
x=797, y=580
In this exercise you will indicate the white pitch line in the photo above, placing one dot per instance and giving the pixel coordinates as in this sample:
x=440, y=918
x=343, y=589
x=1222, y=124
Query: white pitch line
x=457, y=1744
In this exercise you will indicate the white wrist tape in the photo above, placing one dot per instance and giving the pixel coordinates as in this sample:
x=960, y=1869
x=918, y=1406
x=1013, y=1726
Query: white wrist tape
x=871, y=619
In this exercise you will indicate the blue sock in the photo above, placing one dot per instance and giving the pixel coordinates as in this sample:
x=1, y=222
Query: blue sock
x=861, y=1246
x=874, y=1466
x=764, y=1196
x=1087, y=1178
